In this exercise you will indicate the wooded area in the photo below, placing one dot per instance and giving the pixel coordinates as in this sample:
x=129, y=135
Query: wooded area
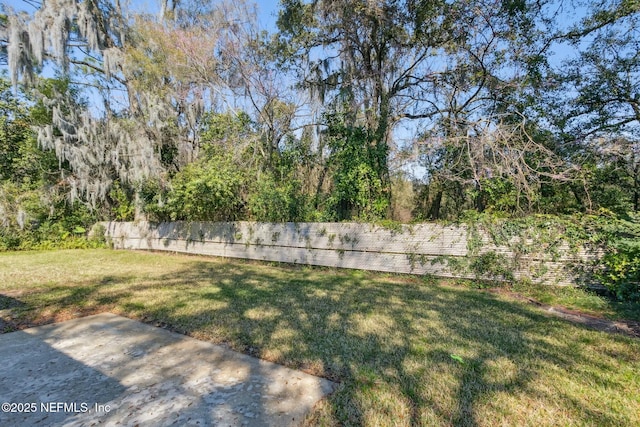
x=349, y=110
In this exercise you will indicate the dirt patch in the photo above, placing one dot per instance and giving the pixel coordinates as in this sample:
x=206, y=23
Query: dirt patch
x=625, y=327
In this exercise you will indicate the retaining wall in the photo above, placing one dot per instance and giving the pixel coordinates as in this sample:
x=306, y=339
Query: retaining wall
x=418, y=249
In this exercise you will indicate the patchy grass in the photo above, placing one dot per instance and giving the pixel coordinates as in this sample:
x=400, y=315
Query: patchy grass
x=584, y=300
x=406, y=352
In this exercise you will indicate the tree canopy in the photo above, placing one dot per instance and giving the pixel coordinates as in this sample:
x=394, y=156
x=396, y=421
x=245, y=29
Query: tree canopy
x=378, y=109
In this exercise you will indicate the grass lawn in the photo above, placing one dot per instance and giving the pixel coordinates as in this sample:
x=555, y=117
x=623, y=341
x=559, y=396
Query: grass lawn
x=389, y=340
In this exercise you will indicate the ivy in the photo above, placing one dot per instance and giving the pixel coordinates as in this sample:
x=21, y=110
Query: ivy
x=605, y=249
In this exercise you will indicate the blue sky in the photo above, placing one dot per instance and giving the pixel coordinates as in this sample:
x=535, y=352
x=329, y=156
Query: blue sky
x=268, y=12
x=267, y=9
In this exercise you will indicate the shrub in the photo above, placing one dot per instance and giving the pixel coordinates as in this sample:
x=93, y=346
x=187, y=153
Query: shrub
x=208, y=190
x=620, y=266
x=614, y=239
x=34, y=219
x=273, y=202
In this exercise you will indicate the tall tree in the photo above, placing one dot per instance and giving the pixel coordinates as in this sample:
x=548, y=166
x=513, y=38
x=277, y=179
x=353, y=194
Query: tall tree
x=149, y=83
x=365, y=60
x=600, y=115
x=456, y=70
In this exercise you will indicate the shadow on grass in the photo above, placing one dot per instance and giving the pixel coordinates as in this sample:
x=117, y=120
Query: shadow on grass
x=405, y=352
x=9, y=302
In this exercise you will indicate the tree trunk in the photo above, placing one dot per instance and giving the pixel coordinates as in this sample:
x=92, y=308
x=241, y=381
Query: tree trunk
x=139, y=214
x=434, y=210
x=636, y=187
x=480, y=199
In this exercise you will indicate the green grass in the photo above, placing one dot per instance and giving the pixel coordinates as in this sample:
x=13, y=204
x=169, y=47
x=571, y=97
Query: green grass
x=389, y=340
x=587, y=301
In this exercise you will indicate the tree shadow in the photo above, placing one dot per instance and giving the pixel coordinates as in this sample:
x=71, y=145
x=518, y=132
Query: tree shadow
x=7, y=302
x=323, y=318
x=143, y=376
x=36, y=374
x=388, y=340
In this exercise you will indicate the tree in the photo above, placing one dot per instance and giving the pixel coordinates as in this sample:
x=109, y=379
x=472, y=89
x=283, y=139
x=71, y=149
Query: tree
x=455, y=70
x=365, y=60
x=21, y=160
x=601, y=116
x=34, y=208
x=149, y=83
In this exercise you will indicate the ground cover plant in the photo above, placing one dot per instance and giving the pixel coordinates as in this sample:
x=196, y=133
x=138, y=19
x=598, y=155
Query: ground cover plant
x=406, y=350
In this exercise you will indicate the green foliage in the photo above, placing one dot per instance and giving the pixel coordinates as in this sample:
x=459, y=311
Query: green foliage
x=359, y=190
x=498, y=195
x=619, y=270
x=224, y=129
x=33, y=221
x=33, y=212
x=207, y=190
x=271, y=201
x=611, y=183
x=394, y=226
x=122, y=209
x=548, y=237
x=621, y=273
x=214, y=187
x=491, y=265
x=21, y=160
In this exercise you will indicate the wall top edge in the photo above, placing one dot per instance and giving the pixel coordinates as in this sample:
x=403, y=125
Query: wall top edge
x=299, y=224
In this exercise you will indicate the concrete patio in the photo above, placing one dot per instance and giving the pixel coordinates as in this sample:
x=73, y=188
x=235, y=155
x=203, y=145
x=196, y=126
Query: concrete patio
x=110, y=370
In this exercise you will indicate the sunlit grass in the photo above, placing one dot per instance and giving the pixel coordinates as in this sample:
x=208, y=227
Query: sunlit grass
x=406, y=351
